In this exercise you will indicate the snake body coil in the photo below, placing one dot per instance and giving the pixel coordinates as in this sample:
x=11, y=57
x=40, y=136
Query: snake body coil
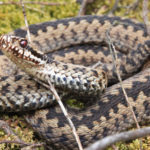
x=73, y=78
x=111, y=113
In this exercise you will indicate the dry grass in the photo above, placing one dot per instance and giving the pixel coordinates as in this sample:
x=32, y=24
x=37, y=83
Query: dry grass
x=11, y=18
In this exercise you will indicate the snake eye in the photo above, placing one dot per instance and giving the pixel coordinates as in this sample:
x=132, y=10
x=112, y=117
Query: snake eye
x=23, y=43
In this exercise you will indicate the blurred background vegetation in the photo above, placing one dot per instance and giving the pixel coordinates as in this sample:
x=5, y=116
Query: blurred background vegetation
x=11, y=17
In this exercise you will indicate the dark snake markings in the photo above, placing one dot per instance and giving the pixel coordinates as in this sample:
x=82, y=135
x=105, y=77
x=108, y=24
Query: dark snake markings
x=108, y=115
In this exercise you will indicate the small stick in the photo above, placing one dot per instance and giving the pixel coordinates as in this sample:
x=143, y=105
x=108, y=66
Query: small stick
x=52, y=89
x=114, y=147
x=26, y=22
x=22, y=143
x=133, y=6
x=83, y=7
x=44, y=3
x=112, y=49
x=7, y=130
x=37, y=3
x=35, y=9
x=124, y=136
x=32, y=146
x=15, y=142
x=114, y=7
x=97, y=64
x=145, y=15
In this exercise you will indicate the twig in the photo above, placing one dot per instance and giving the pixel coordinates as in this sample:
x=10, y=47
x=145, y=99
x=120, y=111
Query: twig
x=52, y=89
x=35, y=9
x=7, y=130
x=30, y=147
x=124, y=136
x=114, y=56
x=15, y=141
x=37, y=3
x=6, y=127
x=114, y=7
x=145, y=15
x=26, y=22
x=22, y=143
x=83, y=7
x=114, y=147
x=133, y=6
x=96, y=64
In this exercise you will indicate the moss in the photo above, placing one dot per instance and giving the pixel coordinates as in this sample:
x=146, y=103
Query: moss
x=104, y=7
x=20, y=128
x=11, y=15
x=11, y=18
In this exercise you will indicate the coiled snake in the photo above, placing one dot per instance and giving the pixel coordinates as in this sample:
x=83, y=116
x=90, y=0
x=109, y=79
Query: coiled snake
x=83, y=42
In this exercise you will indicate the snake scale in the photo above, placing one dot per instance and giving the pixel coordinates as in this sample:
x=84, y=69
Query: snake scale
x=79, y=40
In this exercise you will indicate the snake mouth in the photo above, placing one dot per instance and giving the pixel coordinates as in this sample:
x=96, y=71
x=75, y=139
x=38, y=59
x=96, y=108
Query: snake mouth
x=18, y=48
x=10, y=45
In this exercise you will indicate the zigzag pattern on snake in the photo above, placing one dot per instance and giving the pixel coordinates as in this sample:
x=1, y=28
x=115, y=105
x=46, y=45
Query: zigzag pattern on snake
x=111, y=113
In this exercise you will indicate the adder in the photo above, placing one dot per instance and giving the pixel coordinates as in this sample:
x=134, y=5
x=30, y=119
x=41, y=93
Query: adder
x=50, y=56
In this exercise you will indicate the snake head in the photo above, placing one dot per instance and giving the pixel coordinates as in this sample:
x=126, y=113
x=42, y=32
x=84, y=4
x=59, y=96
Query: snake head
x=19, y=51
